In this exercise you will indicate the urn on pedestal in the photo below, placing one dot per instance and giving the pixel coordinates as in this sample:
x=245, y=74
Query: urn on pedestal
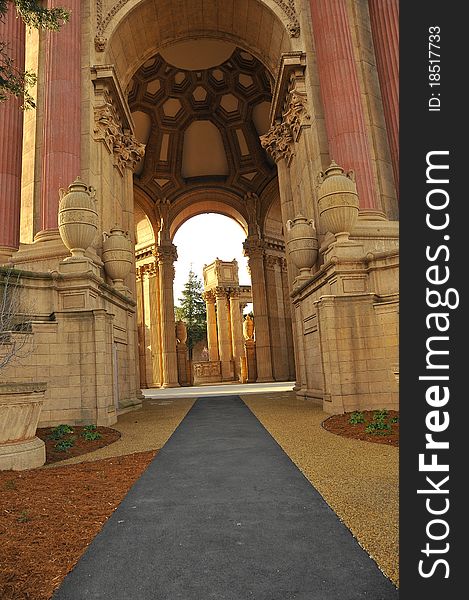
x=302, y=244
x=117, y=256
x=78, y=218
x=338, y=201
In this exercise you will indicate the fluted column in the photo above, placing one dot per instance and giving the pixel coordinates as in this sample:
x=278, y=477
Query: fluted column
x=212, y=337
x=224, y=336
x=341, y=96
x=384, y=17
x=166, y=255
x=62, y=120
x=237, y=338
x=254, y=249
x=139, y=272
x=12, y=32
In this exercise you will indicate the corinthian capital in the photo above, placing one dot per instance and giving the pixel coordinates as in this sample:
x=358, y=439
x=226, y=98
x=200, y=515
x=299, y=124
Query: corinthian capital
x=296, y=115
x=278, y=142
x=166, y=254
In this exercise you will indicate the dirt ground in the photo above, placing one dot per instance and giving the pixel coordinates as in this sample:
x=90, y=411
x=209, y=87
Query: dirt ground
x=49, y=516
x=80, y=444
x=340, y=425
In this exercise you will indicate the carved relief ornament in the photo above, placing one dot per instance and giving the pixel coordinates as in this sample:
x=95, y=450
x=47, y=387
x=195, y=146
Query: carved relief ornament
x=112, y=120
x=278, y=142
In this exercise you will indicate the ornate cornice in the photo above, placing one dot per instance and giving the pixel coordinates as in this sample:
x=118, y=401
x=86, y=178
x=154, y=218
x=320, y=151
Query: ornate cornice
x=288, y=7
x=104, y=18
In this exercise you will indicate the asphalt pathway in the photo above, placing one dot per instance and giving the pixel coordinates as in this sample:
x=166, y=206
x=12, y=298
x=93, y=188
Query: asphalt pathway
x=222, y=513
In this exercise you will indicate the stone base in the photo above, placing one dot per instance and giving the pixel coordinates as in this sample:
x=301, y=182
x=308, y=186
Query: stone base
x=19, y=456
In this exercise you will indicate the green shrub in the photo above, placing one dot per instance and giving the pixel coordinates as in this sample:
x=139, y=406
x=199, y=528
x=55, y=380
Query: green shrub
x=379, y=427
x=90, y=436
x=380, y=415
x=356, y=418
x=59, y=432
x=65, y=445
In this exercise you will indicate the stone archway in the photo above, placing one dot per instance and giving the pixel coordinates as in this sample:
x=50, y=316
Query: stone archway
x=200, y=121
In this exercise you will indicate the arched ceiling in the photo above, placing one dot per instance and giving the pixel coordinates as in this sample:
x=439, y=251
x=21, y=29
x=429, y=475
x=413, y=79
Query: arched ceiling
x=201, y=127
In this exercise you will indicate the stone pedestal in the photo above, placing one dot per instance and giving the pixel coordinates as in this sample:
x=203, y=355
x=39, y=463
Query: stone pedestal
x=20, y=408
x=183, y=365
x=251, y=363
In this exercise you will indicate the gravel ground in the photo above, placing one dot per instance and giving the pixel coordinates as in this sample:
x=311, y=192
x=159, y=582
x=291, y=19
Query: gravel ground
x=359, y=480
x=147, y=428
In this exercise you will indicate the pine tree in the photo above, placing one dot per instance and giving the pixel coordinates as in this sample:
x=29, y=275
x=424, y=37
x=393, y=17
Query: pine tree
x=14, y=82
x=192, y=311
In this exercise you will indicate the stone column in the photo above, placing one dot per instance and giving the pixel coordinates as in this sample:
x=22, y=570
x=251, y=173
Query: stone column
x=384, y=17
x=274, y=287
x=12, y=32
x=151, y=324
x=166, y=255
x=212, y=337
x=224, y=337
x=237, y=340
x=341, y=95
x=141, y=325
x=254, y=249
x=62, y=115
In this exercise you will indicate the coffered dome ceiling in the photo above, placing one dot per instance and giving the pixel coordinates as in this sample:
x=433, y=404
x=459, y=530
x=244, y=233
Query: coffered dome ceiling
x=201, y=127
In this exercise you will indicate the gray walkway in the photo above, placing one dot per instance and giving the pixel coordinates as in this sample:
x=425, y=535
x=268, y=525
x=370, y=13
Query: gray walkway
x=222, y=513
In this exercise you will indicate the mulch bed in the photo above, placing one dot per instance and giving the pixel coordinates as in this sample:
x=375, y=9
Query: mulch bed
x=80, y=445
x=340, y=425
x=49, y=516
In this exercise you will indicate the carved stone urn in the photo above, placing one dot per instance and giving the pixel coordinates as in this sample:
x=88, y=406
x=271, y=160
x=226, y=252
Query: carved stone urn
x=181, y=332
x=248, y=328
x=78, y=218
x=338, y=201
x=20, y=407
x=302, y=244
x=117, y=256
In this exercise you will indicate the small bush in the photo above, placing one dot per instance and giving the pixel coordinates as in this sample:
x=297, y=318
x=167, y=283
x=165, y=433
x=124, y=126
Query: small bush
x=394, y=420
x=90, y=436
x=378, y=427
x=356, y=418
x=65, y=445
x=59, y=432
x=380, y=415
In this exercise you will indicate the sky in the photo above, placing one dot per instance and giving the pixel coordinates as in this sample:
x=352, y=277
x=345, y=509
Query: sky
x=201, y=240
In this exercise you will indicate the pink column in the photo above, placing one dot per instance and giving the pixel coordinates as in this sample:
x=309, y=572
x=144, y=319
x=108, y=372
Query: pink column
x=384, y=16
x=341, y=96
x=62, y=123
x=12, y=31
